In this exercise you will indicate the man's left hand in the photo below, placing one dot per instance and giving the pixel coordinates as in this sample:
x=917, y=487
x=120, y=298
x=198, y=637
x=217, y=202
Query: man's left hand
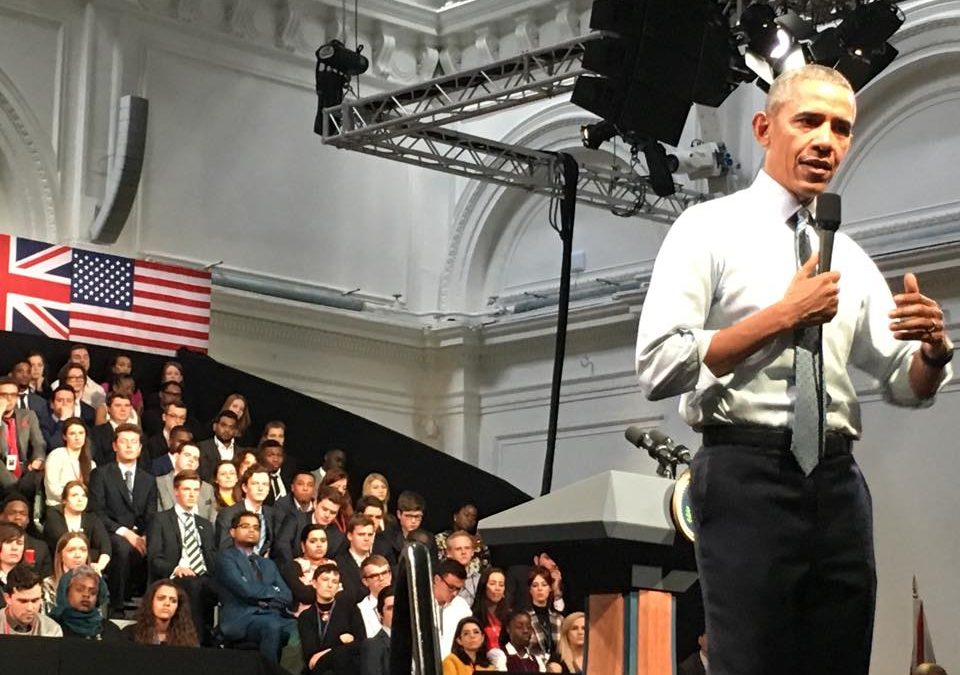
x=918, y=317
x=36, y=465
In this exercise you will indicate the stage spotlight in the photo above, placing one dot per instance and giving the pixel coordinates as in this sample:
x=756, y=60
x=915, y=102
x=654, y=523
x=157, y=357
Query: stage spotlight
x=870, y=26
x=660, y=168
x=335, y=56
x=594, y=135
x=759, y=28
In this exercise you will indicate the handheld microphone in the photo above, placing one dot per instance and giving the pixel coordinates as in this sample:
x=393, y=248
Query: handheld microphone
x=828, y=222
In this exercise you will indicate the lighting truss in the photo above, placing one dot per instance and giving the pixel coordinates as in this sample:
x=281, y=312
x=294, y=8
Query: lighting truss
x=415, y=125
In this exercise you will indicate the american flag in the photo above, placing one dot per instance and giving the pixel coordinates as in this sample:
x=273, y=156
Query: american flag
x=146, y=306
x=35, y=287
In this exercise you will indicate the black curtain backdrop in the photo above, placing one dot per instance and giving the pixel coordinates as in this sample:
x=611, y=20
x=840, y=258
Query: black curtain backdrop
x=313, y=427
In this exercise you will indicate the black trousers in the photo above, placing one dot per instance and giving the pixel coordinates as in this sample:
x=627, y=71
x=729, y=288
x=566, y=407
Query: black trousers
x=126, y=566
x=786, y=562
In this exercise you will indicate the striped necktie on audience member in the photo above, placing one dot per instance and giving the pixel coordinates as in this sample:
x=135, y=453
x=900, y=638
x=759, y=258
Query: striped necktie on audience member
x=191, y=545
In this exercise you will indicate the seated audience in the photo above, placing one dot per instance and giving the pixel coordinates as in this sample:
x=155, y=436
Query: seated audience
x=468, y=654
x=22, y=613
x=244, y=459
x=26, y=398
x=122, y=364
x=124, y=496
x=696, y=663
x=72, y=551
x=410, y=509
x=270, y=454
x=171, y=372
x=186, y=458
x=163, y=618
x=569, y=655
x=254, y=485
x=375, y=575
x=334, y=458
x=90, y=392
x=460, y=548
x=152, y=418
x=448, y=579
x=225, y=484
x=359, y=545
x=331, y=629
x=220, y=446
x=36, y=553
x=123, y=385
x=22, y=448
x=11, y=548
x=254, y=596
x=324, y=513
x=544, y=619
x=237, y=404
x=376, y=485
x=518, y=580
x=514, y=654
x=373, y=508
x=491, y=604
x=80, y=595
x=300, y=498
x=38, y=374
x=339, y=481
x=101, y=437
x=164, y=445
x=72, y=516
x=465, y=520
x=71, y=460
x=181, y=545
x=375, y=651
x=298, y=573
x=62, y=404
x=74, y=375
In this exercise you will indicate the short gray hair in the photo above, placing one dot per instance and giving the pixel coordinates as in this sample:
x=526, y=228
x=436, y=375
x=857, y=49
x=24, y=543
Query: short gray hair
x=782, y=87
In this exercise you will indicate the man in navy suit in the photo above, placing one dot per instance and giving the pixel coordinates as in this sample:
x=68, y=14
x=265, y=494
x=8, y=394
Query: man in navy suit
x=26, y=399
x=119, y=407
x=125, y=498
x=375, y=651
x=62, y=405
x=254, y=596
x=255, y=484
x=181, y=546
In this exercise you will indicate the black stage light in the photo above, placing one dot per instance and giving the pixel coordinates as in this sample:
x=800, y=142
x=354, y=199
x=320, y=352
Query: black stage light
x=871, y=25
x=861, y=66
x=596, y=134
x=660, y=168
x=759, y=27
x=331, y=86
x=335, y=56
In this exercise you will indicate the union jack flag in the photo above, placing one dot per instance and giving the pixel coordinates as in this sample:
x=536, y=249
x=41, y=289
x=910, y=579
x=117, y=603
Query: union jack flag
x=35, y=286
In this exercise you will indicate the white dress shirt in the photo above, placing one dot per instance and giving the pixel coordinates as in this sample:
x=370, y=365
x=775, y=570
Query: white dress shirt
x=368, y=610
x=725, y=260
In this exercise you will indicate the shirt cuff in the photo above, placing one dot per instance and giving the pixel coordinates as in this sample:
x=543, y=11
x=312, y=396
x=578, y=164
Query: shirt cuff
x=706, y=378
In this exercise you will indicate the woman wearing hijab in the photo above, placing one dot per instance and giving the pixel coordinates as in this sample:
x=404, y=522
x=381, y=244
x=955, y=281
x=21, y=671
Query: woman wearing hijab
x=80, y=596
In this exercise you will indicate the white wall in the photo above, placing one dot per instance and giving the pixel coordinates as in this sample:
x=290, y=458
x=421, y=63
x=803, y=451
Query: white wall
x=234, y=173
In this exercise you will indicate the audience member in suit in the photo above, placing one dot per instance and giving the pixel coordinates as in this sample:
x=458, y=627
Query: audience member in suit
x=696, y=663
x=254, y=485
x=124, y=496
x=36, y=553
x=298, y=573
x=74, y=375
x=254, y=596
x=152, y=418
x=69, y=460
x=360, y=531
x=119, y=409
x=331, y=630
x=174, y=416
x=62, y=403
x=187, y=458
x=373, y=508
x=26, y=399
x=181, y=546
x=165, y=463
x=270, y=454
x=72, y=516
x=375, y=651
x=22, y=448
x=375, y=573
x=238, y=405
x=221, y=446
x=335, y=458
x=324, y=513
x=301, y=498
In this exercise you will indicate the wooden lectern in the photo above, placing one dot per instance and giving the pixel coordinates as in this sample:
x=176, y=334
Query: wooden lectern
x=614, y=533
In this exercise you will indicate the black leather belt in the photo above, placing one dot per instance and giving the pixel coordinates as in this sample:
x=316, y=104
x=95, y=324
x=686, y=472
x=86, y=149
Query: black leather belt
x=773, y=438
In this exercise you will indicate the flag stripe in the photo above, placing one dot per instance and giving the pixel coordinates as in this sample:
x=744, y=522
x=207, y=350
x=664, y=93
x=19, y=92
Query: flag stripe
x=194, y=319
x=55, y=326
x=170, y=283
x=138, y=338
x=174, y=269
x=196, y=314
x=151, y=346
x=170, y=295
x=44, y=256
x=131, y=321
x=166, y=298
x=172, y=276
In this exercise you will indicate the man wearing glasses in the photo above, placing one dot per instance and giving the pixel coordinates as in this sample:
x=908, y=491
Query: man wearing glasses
x=448, y=579
x=22, y=448
x=375, y=575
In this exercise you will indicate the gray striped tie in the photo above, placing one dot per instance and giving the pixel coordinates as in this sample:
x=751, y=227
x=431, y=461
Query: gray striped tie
x=808, y=407
x=191, y=545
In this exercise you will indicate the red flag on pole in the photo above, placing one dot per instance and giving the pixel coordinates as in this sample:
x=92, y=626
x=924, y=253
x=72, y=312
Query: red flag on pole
x=922, y=645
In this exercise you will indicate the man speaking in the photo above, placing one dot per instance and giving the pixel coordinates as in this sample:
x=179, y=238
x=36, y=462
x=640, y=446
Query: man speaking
x=740, y=321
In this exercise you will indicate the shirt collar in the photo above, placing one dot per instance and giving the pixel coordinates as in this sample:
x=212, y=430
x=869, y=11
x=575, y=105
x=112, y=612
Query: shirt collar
x=773, y=198
x=181, y=512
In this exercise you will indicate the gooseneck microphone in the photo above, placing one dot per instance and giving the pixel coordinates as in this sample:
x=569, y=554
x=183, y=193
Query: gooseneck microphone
x=645, y=440
x=828, y=222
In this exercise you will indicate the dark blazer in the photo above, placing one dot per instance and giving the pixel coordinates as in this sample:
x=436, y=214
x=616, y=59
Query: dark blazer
x=285, y=507
x=165, y=545
x=101, y=444
x=288, y=540
x=209, y=458
x=90, y=525
x=350, y=577
x=88, y=414
x=40, y=406
x=30, y=444
x=157, y=448
x=226, y=515
x=375, y=655
x=161, y=466
x=286, y=477
x=291, y=571
x=345, y=618
x=244, y=593
x=111, y=502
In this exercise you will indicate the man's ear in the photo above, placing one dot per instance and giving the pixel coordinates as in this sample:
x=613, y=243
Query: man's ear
x=761, y=128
